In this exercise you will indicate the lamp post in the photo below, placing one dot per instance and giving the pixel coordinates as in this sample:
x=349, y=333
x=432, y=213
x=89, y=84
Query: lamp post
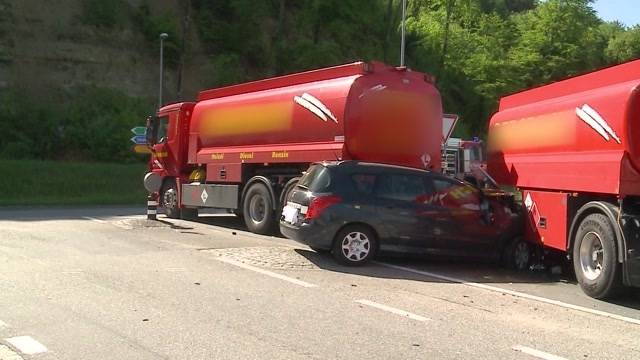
x=162, y=37
x=404, y=11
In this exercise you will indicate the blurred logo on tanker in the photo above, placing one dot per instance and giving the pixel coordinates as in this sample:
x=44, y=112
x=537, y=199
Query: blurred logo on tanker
x=587, y=114
x=315, y=106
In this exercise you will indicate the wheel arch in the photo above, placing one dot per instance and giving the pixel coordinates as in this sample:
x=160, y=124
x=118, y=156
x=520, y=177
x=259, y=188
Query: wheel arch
x=598, y=207
x=261, y=180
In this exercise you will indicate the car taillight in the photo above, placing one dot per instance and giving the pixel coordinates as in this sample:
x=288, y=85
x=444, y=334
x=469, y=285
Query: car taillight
x=319, y=204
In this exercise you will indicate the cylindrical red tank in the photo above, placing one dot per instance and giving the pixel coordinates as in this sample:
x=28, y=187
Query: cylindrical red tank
x=379, y=113
x=580, y=134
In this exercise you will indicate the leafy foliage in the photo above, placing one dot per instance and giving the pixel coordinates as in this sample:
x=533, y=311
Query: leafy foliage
x=479, y=50
x=92, y=124
x=102, y=13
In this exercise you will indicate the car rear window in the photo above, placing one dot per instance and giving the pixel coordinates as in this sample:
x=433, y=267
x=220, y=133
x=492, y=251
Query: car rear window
x=317, y=179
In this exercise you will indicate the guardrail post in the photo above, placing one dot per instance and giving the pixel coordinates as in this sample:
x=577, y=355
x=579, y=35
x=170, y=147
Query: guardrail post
x=152, y=207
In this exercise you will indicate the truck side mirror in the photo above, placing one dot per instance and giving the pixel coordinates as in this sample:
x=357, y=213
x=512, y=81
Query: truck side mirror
x=152, y=130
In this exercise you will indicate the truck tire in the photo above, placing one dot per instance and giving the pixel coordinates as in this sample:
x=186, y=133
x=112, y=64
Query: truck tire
x=355, y=245
x=594, y=257
x=258, y=209
x=169, y=199
x=286, y=190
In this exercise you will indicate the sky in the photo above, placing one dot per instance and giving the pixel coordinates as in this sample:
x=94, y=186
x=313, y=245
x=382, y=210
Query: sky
x=625, y=11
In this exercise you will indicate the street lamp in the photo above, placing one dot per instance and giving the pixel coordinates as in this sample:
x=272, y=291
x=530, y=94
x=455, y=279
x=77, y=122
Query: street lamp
x=404, y=11
x=162, y=37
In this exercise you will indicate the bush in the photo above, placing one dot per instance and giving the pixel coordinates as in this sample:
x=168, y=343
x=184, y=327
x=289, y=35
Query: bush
x=91, y=124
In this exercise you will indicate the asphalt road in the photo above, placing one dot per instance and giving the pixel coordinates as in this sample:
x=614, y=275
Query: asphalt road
x=107, y=284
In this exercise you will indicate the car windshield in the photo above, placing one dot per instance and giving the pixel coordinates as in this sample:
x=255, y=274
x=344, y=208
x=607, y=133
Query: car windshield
x=316, y=179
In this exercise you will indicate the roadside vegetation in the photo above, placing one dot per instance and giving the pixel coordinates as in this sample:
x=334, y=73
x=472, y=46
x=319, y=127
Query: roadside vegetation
x=479, y=50
x=37, y=182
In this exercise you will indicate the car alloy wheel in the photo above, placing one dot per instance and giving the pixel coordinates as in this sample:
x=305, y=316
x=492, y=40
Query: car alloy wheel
x=356, y=246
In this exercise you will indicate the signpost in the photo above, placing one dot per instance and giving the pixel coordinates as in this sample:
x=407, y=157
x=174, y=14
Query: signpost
x=140, y=140
x=139, y=130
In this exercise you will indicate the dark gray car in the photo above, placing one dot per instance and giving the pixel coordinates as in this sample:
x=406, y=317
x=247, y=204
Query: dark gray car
x=357, y=209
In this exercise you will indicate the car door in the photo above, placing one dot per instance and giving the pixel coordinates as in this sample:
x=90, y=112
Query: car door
x=468, y=230
x=406, y=219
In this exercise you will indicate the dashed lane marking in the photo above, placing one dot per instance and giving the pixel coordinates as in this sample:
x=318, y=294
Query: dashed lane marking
x=266, y=272
x=392, y=310
x=27, y=345
x=537, y=353
x=515, y=293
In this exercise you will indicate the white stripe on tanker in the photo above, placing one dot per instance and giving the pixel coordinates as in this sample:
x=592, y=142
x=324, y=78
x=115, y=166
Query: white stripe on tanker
x=596, y=116
x=592, y=122
x=310, y=98
x=309, y=106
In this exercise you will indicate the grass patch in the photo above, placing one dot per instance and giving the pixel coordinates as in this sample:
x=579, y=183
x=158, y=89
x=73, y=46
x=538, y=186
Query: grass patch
x=34, y=182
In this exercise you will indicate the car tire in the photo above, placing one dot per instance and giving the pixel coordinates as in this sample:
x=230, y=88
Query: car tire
x=258, y=210
x=517, y=255
x=595, y=257
x=354, y=245
x=169, y=199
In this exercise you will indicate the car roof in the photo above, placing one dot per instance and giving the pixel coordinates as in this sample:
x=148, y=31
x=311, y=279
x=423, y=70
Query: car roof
x=373, y=165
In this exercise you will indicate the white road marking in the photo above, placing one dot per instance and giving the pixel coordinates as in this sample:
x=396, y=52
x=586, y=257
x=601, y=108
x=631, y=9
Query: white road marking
x=8, y=354
x=3, y=324
x=94, y=219
x=176, y=269
x=265, y=272
x=27, y=345
x=392, y=310
x=537, y=353
x=516, y=293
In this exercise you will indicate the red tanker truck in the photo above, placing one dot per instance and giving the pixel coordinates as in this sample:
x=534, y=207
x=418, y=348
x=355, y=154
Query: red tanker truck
x=242, y=147
x=573, y=149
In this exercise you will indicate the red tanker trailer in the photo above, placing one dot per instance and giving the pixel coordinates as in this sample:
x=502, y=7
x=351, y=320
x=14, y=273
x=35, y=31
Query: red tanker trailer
x=573, y=149
x=242, y=147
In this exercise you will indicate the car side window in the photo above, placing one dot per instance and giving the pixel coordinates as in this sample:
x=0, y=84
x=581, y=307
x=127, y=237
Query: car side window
x=364, y=183
x=401, y=187
x=455, y=194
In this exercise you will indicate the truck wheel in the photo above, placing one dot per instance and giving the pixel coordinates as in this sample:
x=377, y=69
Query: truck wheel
x=169, y=199
x=594, y=257
x=258, y=209
x=354, y=245
x=290, y=185
x=517, y=255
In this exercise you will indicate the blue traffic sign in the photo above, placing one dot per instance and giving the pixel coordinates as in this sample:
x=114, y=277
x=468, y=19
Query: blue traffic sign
x=139, y=139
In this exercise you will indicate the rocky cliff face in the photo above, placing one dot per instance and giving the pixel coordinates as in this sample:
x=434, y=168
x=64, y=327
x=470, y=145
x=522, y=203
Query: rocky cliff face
x=47, y=45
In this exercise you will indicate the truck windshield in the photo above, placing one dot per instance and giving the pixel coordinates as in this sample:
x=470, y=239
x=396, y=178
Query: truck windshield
x=317, y=179
x=163, y=124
